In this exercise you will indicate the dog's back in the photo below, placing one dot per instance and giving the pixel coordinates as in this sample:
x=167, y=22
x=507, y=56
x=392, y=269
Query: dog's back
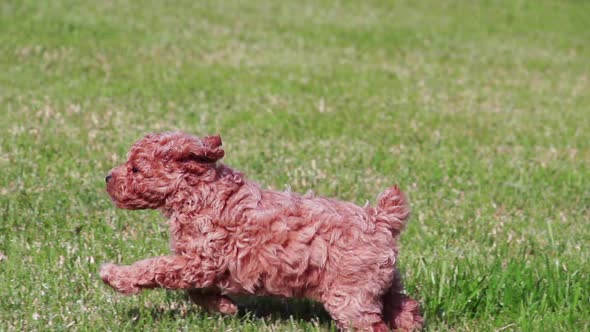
x=294, y=245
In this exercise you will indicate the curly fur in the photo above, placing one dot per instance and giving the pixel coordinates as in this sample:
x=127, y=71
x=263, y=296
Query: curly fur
x=229, y=236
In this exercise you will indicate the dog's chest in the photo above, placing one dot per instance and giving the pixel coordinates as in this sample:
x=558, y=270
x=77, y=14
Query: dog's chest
x=197, y=236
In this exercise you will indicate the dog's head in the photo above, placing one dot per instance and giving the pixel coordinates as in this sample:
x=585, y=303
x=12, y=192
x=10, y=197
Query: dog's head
x=157, y=165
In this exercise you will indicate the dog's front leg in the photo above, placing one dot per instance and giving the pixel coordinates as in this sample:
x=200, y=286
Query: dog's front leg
x=212, y=300
x=172, y=272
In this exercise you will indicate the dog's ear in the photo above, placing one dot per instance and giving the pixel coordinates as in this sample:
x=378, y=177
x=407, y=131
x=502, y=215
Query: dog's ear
x=196, y=155
x=213, y=150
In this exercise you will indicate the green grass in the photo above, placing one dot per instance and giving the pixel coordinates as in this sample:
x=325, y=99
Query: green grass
x=479, y=110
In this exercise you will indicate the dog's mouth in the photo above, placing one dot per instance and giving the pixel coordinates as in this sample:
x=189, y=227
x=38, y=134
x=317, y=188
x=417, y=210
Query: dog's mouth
x=124, y=199
x=115, y=191
x=110, y=189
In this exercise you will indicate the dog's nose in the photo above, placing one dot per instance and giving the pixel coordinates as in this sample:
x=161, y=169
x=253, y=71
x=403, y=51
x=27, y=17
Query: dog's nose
x=108, y=178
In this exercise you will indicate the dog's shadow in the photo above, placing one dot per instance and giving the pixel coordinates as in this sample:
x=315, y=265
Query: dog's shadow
x=250, y=308
x=277, y=308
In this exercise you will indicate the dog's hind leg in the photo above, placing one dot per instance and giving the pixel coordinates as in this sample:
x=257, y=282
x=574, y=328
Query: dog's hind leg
x=400, y=311
x=358, y=311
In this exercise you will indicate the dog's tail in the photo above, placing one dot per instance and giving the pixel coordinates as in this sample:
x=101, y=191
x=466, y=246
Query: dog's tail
x=393, y=209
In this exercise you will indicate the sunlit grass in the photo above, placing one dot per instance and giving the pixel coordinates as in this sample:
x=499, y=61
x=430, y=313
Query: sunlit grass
x=479, y=110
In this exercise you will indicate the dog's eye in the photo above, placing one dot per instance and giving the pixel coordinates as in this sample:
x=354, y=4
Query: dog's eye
x=135, y=170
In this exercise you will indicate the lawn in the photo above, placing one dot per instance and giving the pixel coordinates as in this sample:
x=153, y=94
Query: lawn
x=479, y=110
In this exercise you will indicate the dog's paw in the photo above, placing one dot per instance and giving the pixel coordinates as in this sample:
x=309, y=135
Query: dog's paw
x=119, y=278
x=227, y=306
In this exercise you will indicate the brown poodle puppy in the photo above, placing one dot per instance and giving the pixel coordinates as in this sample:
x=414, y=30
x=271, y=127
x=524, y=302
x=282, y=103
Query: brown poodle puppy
x=229, y=236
